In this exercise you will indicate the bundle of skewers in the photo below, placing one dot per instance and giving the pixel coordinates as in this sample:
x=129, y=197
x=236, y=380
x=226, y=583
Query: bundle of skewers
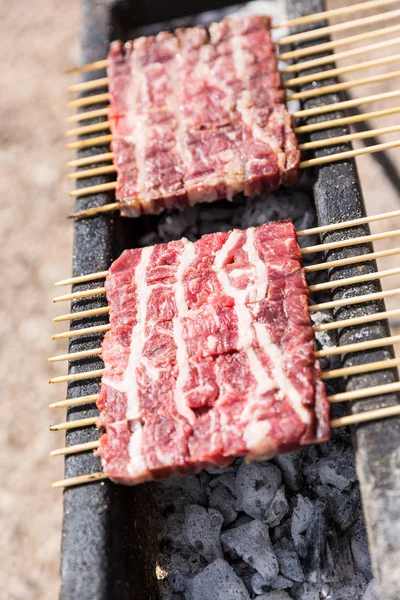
x=209, y=350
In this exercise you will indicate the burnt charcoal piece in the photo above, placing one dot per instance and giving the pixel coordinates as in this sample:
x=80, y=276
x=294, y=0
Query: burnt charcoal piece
x=252, y=543
x=275, y=595
x=224, y=501
x=217, y=582
x=256, y=486
x=203, y=529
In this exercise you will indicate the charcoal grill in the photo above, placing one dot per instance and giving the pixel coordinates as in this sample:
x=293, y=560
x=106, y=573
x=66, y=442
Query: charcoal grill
x=108, y=546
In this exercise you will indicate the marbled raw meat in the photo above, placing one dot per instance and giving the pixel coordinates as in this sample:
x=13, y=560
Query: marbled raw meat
x=209, y=356
x=198, y=115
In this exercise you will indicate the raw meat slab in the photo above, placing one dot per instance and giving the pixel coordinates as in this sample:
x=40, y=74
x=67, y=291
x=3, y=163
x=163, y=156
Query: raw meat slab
x=198, y=115
x=209, y=356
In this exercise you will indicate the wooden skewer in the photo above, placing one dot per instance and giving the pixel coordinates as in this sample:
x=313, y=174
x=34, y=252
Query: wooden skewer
x=91, y=212
x=327, y=46
x=84, y=294
x=88, y=114
x=350, y=261
x=364, y=368
x=80, y=332
x=88, y=85
x=387, y=314
x=94, y=189
x=93, y=159
x=376, y=390
x=343, y=105
x=77, y=376
x=76, y=448
x=358, y=346
x=326, y=60
x=323, y=31
x=336, y=12
x=76, y=355
x=351, y=242
x=88, y=128
x=368, y=415
x=93, y=141
x=385, y=60
x=99, y=64
x=88, y=100
x=84, y=278
x=347, y=120
x=74, y=424
x=342, y=139
x=340, y=106
x=75, y=401
x=323, y=160
x=83, y=314
x=353, y=280
x=351, y=223
x=338, y=43
x=354, y=300
x=92, y=172
x=80, y=480
x=344, y=85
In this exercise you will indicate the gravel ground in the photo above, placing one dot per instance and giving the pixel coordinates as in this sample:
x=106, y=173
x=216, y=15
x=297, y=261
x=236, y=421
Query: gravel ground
x=36, y=242
x=39, y=41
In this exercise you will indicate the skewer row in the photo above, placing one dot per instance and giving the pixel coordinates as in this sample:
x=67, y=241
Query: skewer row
x=304, y=251
x=301, y=129
x=312, y=308
x=289, y=83
x=334, y=351
x=110, y=186
x=308, y=250
x=317, y=328
x=371, y=415
x=312, y=34
x=330, y=264
x=308, y=112
x=314, y=288
x=306, y=146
